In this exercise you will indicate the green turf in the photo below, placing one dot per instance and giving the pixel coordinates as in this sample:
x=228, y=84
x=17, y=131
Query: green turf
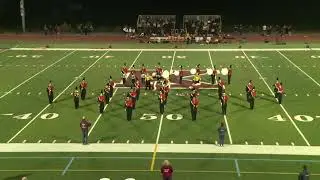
x=245, y=125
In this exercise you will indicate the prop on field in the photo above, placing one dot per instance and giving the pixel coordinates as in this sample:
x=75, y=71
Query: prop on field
x=176, y=73
x=209, y=71
x=193, y=71
x=224, y=71
x=165, y=74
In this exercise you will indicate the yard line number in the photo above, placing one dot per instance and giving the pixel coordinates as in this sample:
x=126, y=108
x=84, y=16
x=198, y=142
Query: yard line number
x=301, y=118
x=171, y=117
x=26, y=56
x=170, y=57
x=315, y=57
x=243, y=57
x=43, y=116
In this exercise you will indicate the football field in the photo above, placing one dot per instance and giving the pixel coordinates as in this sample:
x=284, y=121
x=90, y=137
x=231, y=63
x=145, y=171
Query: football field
x=272, y=141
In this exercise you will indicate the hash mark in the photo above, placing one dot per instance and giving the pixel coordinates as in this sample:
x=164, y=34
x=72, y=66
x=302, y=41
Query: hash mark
x=216, y=142
x=201, y=142
x=92, y=94
x=24, y=141
x=54, y=141
x=29, y=93
x=292, y=143
x=128, y=141
x=262, y=94
x=171, y=142
x=69, y=141
x=18, y=93
x=296, y=94
x=318, y=94
x=112, y=142
x=240, y=94
x=98, y=141
x=279, y=66
x=39, y=141
x=261, y=143
x=246, y=143
x=40, y=93
x=270, y=66
x=277, y=143
x=308, y=95
x=142, y=141
x=187, y=142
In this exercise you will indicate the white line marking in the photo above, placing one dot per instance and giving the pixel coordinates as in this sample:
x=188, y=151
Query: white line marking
x=299, y=68
x=261, y=143
x=296, y=94
x=39, y=93
x=262, y=94
x=292, y=143
x=27, y=80
x=98, y=141
x=187, y=142
x=18, y=93
x=277, y=143
x=201, y=142
x=8, y=114
x=285, y=111
x=237, y=167
x=246, y=143
x=54, y=141
x=35, y=117
x=199, y=50
x=173, y=57
x=98, y=118
x=29, y=93
x=142, y=141
x=39, y=141
x=159, y=131
x=228, y=129
x=69, y=141
x=113, y=141
x=128, y=141
x=24, y=141
x=171, y=142
x=308, y=94
x=67, y=167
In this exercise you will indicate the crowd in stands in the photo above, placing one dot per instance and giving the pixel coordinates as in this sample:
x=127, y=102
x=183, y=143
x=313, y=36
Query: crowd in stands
x=150, y=26
x=211, y=27
x=57, y=29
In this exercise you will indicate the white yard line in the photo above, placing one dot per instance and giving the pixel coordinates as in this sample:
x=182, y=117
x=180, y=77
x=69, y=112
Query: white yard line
x=162, y=148
x=33, y=76
x=271, y=91
x=98, y=118
x=209, y=53
x=228, y=129
x=4, y=51
x=182, y=50
x=237, y=167
x=67, y=167
x=155, y=149
x=76, y=79
x=299, y=68
x=173, y=57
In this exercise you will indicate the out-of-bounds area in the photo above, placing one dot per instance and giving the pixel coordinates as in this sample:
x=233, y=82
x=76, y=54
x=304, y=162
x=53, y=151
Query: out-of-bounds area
x=272, y=141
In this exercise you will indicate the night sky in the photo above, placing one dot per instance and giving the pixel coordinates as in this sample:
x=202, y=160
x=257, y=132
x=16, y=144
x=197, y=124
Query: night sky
x=117, y=12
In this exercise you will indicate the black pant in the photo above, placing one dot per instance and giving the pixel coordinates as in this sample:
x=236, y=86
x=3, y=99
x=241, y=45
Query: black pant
x=279, y=96
x=134, y=100
x=180, y=79
x=111, y=92
x=221, y=140
x=224, y=108
x=248, y=96
x=138, y=94
x=107, y=96
x=50, y=97
x=76, y=102
x=101, y=107
x=220, y=93
x=162, y=107
x=143, y=80
x=133, y=81
x=194, y=111
x=84, y=136
x=251, y=101
x=123, y=81
x=129, y=113
x=148, y=84
x=229, y=79
x=275, y=92
x=83, y=93
x=213, y=79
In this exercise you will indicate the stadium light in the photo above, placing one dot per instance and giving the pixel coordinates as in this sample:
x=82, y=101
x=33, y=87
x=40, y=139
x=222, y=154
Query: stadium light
x=23, y=16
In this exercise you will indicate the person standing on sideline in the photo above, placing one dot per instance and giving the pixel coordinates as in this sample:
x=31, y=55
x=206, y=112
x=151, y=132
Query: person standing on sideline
x=304, y=175
x=129, y=106
x=224, y=103
x=84, y=125
x=166, y=170
x=162, y=101
x=50, y=89
x=194, y=108
x=101, y=101
x=229, y=74
x=221, y=132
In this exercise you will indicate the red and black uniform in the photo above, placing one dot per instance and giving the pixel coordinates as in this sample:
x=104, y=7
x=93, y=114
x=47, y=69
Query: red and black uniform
x=158, y=73
x=249, y=88
x=50, y=89
x=133, y=78
x=221, y=88
x=180, y=75
x=162, y=101
x=133, y=95
x=138, y=87
x=129, y=106
x=280, y=92
x=111, y=85
x=84, y=125
x=252, y=97
x=198, y=70
x=83, y=89
x=276, y=86
x=194, y=108
x=167, y=172
x=101, y=101
x=224, y=103
x=166, y=90
x=214, y=75
x=124, y=70
x=229, y=74
x=107, y=93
